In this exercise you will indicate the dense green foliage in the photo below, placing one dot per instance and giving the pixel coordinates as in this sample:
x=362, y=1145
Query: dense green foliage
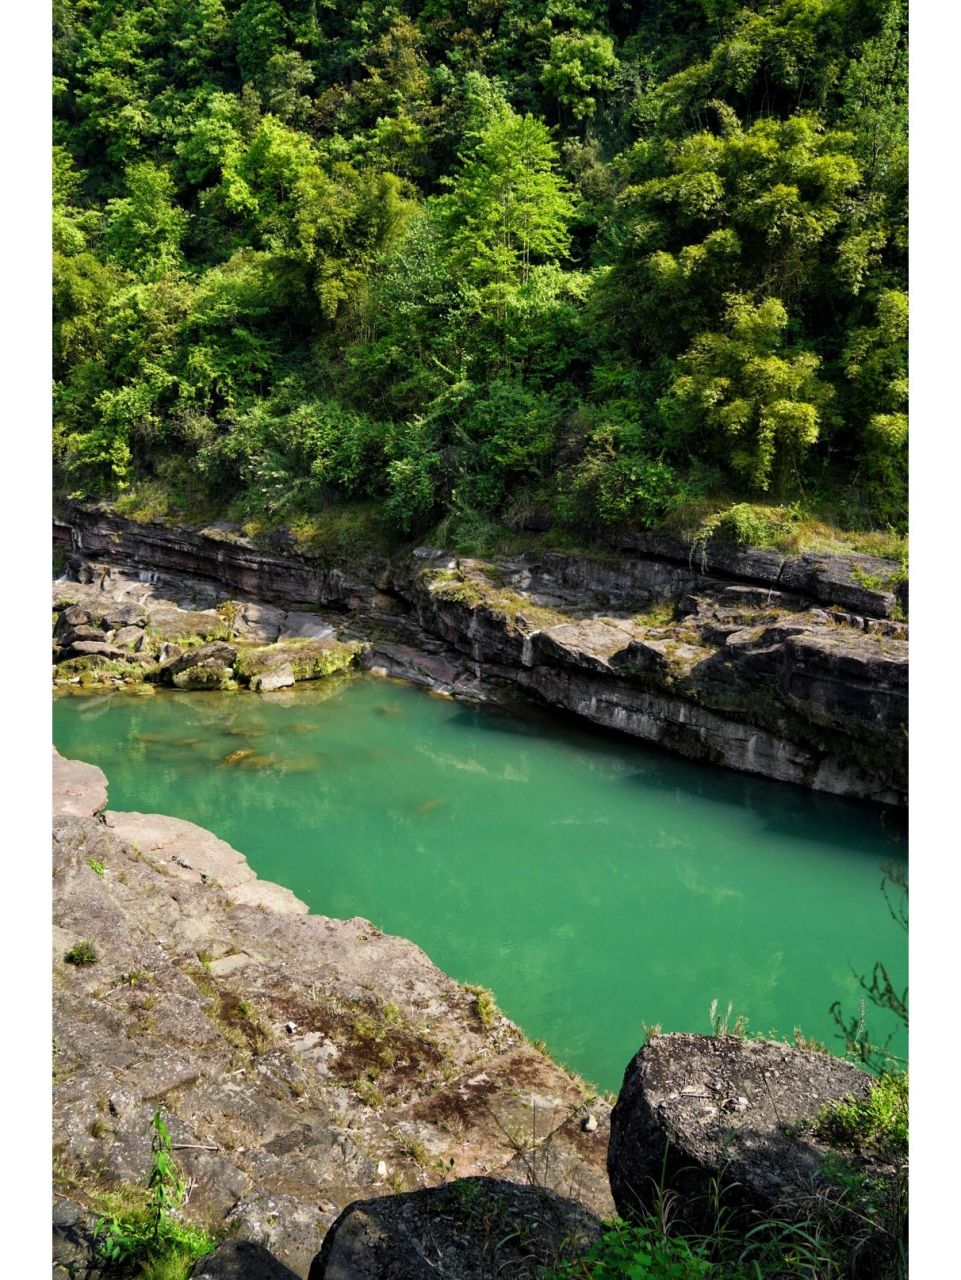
x=476, y=257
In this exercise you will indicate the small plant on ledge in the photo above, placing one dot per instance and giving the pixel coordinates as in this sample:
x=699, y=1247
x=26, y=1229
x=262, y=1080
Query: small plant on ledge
x=143, y=1235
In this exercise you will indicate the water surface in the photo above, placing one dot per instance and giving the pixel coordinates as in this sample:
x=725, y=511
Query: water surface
x=593, y=883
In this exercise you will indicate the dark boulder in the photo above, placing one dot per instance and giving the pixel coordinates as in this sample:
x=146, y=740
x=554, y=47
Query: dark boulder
x=241, y=1260
x=74, y=617
x=696, y=1112
x=470, y=1228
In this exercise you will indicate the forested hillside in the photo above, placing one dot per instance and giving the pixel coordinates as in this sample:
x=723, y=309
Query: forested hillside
x=471, y=260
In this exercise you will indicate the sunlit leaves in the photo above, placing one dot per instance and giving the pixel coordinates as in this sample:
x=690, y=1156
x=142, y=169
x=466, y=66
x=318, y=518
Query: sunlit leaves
x=508, y=207
x=747, y=396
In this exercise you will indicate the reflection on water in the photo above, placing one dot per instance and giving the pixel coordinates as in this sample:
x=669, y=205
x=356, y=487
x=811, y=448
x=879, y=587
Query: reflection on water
x=595, y=884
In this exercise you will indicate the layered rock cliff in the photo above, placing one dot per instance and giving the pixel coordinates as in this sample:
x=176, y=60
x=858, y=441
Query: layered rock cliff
x=793, y=668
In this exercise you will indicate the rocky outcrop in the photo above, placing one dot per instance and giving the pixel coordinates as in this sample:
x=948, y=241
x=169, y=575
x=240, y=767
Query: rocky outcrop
x=79, y=789
x=303, y=1063
x=864, y=584
x=177, y=643
x=702, y=1115
x=220, y=552
x=470, y=1229
x=752, y=680
x=793, y=668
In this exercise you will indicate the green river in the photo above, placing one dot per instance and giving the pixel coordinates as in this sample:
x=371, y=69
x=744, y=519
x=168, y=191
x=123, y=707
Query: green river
x=596, y=885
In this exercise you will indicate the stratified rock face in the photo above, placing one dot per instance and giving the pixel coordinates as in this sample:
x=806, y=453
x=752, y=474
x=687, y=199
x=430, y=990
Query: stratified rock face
x=695, y=1110
x=303, y=1062
x=471, y=1229
x=784, y=666
x=220, y=552
x=754, y=680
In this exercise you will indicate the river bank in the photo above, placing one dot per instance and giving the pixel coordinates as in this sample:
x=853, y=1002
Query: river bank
x=304, y=1062
x=341, y=1108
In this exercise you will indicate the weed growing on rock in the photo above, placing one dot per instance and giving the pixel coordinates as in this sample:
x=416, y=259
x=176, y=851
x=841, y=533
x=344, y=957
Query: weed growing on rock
x=879, y=1124
x=81, y=953
x=721, y=1025
x=638, y=1252
x=143, y=1234
x=97, y=867
x=484, y=1003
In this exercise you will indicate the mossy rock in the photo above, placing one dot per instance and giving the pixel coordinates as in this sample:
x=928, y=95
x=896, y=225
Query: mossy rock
x=210, y=675
x=307, y=659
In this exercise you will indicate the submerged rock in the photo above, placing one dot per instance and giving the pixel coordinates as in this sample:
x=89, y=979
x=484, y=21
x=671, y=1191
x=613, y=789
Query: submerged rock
x=471, y=1229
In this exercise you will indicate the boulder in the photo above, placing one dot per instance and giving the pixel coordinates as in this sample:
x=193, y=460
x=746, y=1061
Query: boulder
x=281, y=677
x=123, y=613
x=211, y=675
x=73, y=616
x=97, y=649
x=469, y=1228
x=695, y=1112
x=129, y=638
x=306, y=659
x=207, y=667
x=170, y=622
x=85, y=632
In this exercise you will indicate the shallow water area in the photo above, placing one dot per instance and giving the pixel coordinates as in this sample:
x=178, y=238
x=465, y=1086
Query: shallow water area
x=595, y=884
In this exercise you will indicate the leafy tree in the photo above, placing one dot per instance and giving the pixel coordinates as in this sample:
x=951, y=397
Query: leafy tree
x=578, y=68
x=145, y=228
x=259, y=28
x=753, y=402
x=508, y=206
x=876, y=362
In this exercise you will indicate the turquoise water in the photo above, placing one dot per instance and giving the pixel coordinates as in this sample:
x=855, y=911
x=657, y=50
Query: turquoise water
x=594, y=884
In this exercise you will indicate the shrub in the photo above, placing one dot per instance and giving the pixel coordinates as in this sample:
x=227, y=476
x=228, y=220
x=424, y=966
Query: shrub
x=81, y=953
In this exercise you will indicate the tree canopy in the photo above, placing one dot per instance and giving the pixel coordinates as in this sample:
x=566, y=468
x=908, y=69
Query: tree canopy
x=468, y=260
